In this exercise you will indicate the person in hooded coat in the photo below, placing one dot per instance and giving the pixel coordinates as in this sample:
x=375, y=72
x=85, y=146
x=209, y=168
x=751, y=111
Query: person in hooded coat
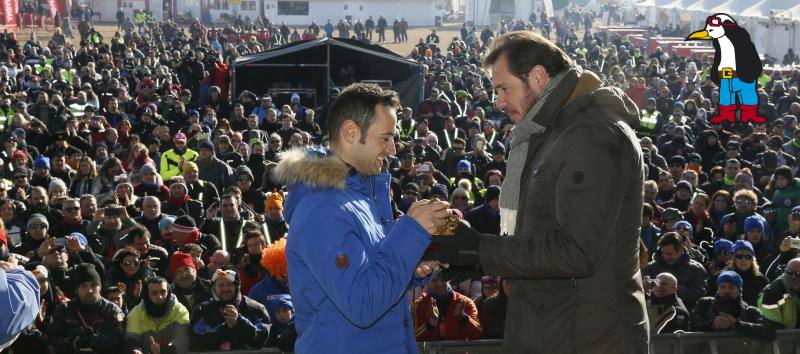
x=230, y=320
x=160, y=320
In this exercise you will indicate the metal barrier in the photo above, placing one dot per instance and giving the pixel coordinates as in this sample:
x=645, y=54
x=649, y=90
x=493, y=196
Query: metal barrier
x=787, y=342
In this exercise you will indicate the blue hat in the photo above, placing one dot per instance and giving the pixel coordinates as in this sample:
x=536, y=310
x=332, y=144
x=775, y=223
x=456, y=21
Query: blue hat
x=41, y=161
x=464, y=164
x=284, y=301
x=723, y=245
x=730, y=277
x=677, y=105
x=167, y=220
x=753, y=222
x=81, y=238
x=681, y=224
x=439, y=188
x=193, y=113
x=205, y=144
x=743, y=244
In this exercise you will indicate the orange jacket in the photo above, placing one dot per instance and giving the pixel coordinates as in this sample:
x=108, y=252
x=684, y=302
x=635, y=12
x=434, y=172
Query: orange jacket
x=451, y=327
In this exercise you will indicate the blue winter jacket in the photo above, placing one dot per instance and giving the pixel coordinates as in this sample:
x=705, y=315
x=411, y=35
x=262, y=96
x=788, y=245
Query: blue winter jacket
x=19, y=303
x=349, y=262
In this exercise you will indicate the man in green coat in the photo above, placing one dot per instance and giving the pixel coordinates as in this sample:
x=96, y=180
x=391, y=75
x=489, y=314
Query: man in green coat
x=570, y=207
x=786, y=197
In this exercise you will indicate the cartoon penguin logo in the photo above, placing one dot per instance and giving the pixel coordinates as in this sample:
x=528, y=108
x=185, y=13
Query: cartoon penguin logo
x=736, y=68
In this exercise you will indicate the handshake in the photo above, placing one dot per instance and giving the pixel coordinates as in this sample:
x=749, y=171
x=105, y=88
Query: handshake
x=454, y=243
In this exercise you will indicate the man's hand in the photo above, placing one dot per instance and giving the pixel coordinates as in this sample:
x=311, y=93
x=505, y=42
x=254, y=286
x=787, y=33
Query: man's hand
x=731, y=321
x=231, y=315
x=137, y=290
x=155, y=348
x=425, y=269
x=786, y=244
x=429, y=214
x=433, y=313
x=46, y=247
x=99, y=214
x=74, y=245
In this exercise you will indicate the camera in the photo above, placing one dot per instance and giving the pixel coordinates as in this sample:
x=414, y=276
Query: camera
x=113, y=211
x=794, y=242
x=425, y=168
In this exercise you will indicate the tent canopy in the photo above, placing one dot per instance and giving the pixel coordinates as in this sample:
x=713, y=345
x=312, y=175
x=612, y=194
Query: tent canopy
x=317, y=66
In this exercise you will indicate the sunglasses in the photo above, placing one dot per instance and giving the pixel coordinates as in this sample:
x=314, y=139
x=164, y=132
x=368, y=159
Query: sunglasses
x=792, y=273
x=134, y=263
x=37, y=226
x=59, y=249
x=244, y=178
x=744, y=202
x=227, y=274
x=744, y=256
x=411, y=193
x=715, y=21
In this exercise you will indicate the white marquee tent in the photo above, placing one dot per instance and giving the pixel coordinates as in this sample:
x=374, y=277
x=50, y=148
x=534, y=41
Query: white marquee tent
x=773, y=24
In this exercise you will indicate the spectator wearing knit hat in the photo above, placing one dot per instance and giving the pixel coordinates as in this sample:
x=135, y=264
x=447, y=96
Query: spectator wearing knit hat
x=70, y=331
x=747, y=266
x=200, y=190
x=172, y=160
x=151, y=184
x=786, y=197
x=486, y=217
x=252, y=196
x=230, y=320
x=185, y=231
x=212, y=169
x=276, y=224
x=190, y=289
x=682, y=198
x=727, y=311
x=754, y=233
x=180, y=203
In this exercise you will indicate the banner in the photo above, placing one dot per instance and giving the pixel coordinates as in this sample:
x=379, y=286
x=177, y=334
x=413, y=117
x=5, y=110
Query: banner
x=9, y=12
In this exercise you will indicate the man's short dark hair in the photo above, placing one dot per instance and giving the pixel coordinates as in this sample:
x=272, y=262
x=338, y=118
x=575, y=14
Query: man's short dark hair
x=671, y=239
x=136, y=232
x=524, y=50
x=357, y=102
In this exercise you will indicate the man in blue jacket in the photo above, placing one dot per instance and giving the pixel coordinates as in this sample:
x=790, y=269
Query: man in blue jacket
x=19, y=290
x=349, y=262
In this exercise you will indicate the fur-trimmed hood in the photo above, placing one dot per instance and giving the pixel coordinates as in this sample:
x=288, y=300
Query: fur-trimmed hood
x=317, y=168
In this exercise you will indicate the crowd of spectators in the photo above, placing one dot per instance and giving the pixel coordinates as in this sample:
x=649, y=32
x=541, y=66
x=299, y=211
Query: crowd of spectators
x=140, y=191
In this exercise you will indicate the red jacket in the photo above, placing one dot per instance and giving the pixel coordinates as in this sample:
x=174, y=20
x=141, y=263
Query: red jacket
x=451, y=327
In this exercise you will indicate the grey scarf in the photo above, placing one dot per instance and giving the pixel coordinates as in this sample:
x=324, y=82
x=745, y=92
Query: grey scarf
x=518, y=154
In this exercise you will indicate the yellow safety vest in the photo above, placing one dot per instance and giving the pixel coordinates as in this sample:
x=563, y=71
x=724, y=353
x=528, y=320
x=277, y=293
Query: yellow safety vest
x=405, y=134
x=648, y=124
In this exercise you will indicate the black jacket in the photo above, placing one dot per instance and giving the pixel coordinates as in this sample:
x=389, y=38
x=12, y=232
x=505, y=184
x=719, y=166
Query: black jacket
x=200, y=292
x=691, y=277
x=748, y=320
x=209, y=330
x=103, y=331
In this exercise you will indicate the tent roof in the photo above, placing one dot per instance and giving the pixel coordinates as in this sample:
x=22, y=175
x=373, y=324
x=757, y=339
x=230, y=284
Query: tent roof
x=762, y=9
x=679, y=4
x=704, y=5
x=339, y=42
x=733, y=7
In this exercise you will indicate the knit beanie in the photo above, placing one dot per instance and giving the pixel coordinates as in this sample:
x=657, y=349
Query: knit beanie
x=753, y=222
x=179, y=260
x=743, y=244
x=682, y=224
x=723, y=245
x=730, y=277
x=85, y=272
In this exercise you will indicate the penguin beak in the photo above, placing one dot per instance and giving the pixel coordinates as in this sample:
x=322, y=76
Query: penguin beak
x=699, y=35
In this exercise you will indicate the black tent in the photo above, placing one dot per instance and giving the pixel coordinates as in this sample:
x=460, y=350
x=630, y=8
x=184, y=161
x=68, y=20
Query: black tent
x=312, y=68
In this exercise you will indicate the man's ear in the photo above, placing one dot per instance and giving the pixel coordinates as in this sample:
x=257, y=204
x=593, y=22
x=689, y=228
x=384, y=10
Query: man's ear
x=350, y=132
x=538, y=77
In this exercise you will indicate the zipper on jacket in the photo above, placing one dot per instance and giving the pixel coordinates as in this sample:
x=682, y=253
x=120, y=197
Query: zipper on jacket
x=374, y=198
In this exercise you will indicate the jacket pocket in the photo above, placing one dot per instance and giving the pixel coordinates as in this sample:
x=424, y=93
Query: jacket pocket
x=547, y=309
x=378, y=340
